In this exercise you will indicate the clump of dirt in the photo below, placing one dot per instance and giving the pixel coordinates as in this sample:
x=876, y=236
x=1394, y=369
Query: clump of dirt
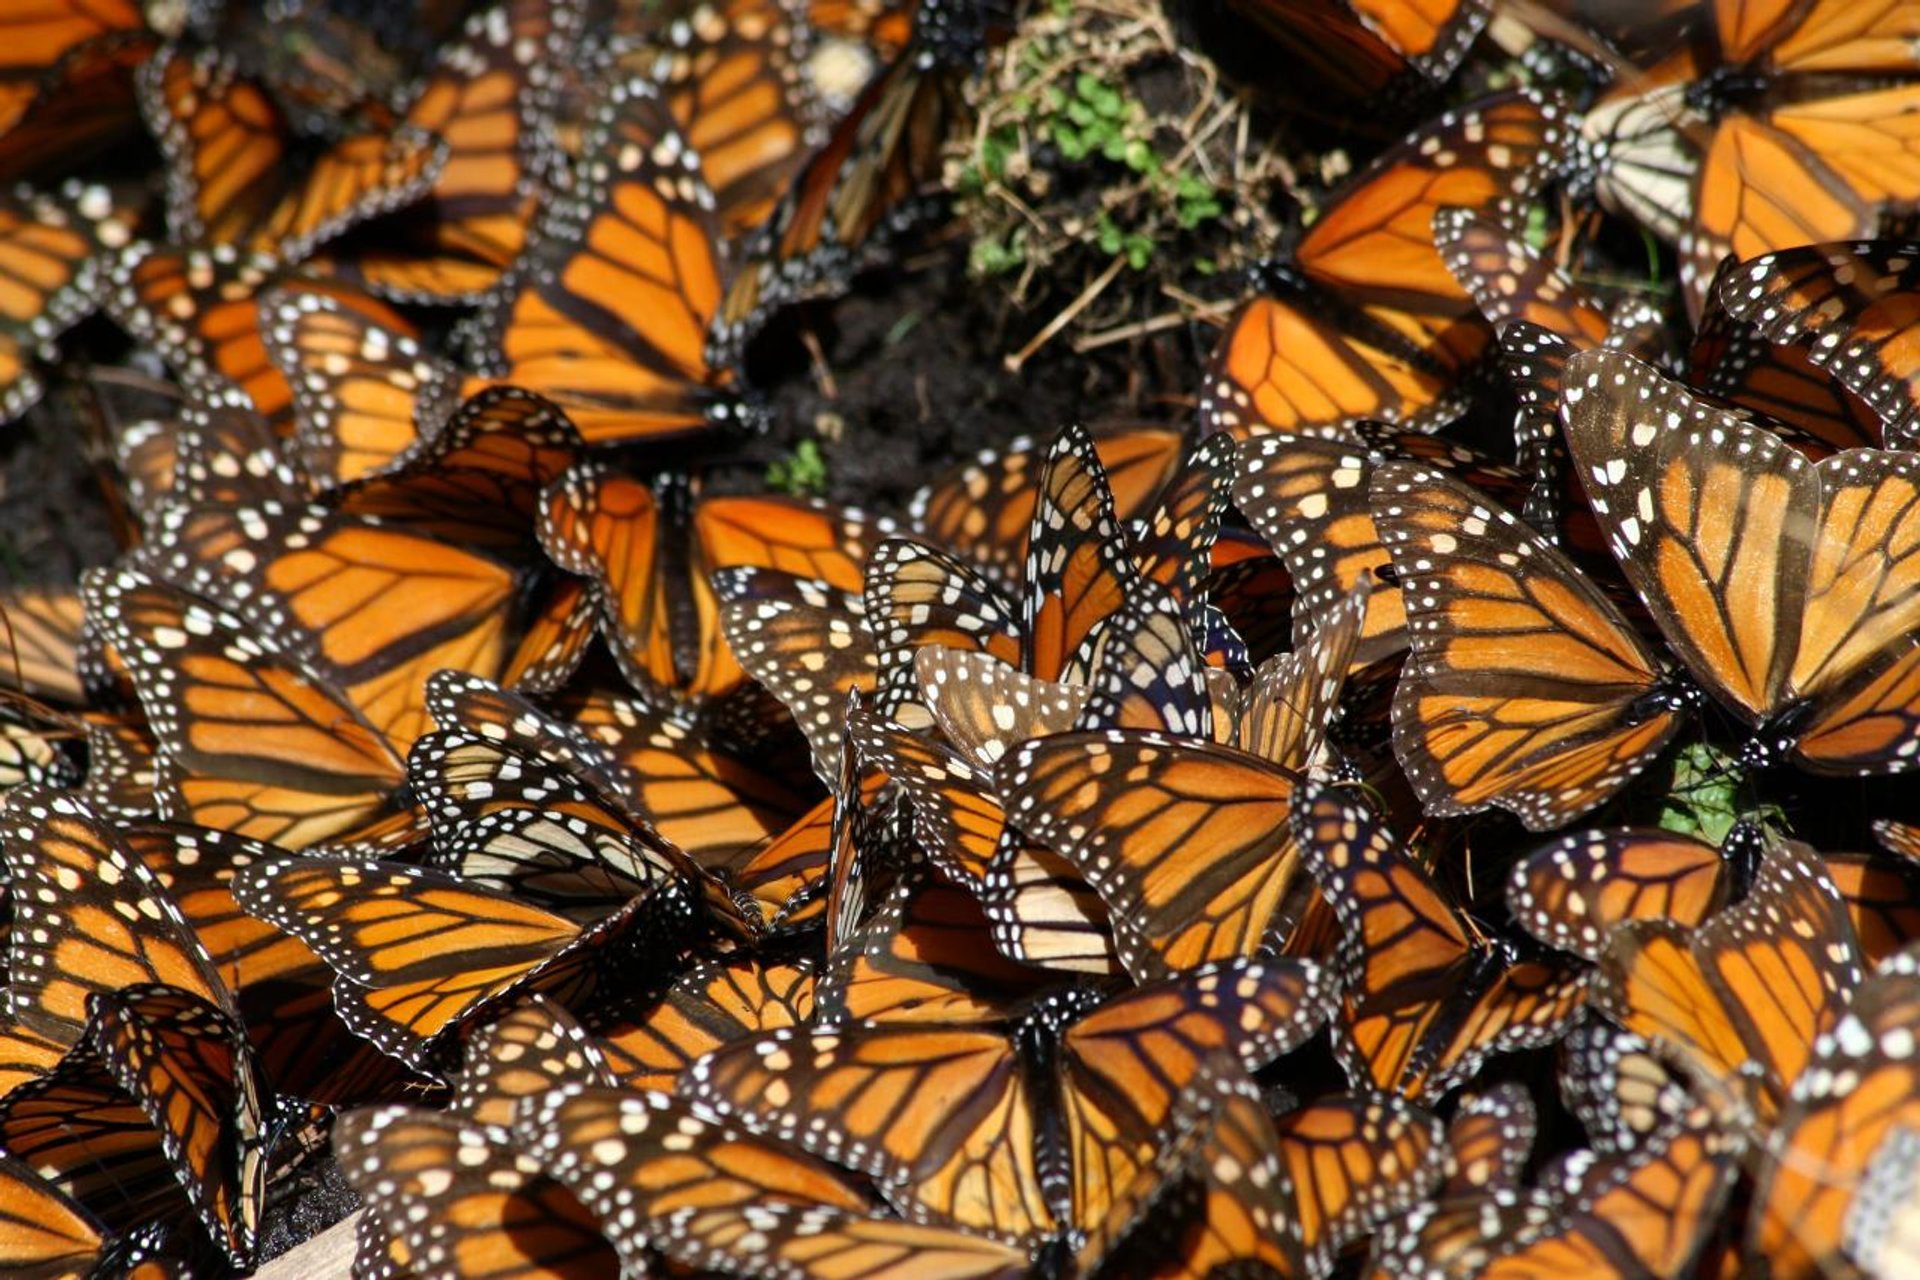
x=54, y=516
x=908, y=375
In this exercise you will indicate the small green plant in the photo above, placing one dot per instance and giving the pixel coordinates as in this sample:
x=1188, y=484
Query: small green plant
x=1538, y=231
x=1107, y=149
x=1097, y=126
x=801, y=474
x=1703, y=796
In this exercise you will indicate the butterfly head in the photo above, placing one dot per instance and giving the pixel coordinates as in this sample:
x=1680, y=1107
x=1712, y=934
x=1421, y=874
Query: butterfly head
x=1772, y=744
x=1675, y=694
x=1725, y=89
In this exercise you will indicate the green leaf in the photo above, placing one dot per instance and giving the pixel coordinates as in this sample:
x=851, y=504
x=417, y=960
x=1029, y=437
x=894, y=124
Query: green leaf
x=1703, y=795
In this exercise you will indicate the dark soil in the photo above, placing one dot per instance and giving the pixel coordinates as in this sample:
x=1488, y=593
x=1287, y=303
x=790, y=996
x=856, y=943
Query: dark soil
x=54, y=465
x=911, y=379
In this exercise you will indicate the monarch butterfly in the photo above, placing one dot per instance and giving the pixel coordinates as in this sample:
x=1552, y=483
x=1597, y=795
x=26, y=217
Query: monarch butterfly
x=66, y=78
x=211, y=454
x=226, y=148
x=1428, y=997
x=1222, y=807
x=1489, y=1140
x=52, y=246
x=40, y=635
x=46, y=1232
x=698, y=790
x=973, y=698
x=226, y=457
x=76, y=943
x=1638, y=145
x=958, y=817
x=313, y=771
x=361, y=393
x=926, y=955
x=1042, y=911
x=79, y=891
x=466, y=947
x=735, y=76
x=711, y=1196
x=1805, y=173
x=528, y=824
x=805, y=642
x=607, y=312
x=1749, y=148
x=490, y=96
x=1803, y=404
x=1858, y=1089
x=199, y=307
x=714, y=1003
x=1079, y=570
x=1821, y=681
x=37, y=39
x=1844, y=305
x=1617, y=1085
x=462, y=702
x=916, y=596
x=882, y=28
x=957, y=822
x=1355, y=1162
x=1878, y=1230
x=860, y=1095
x=122, y=764
x=1547, y=729
x=1363, y=48
x=446, y=1188
x=1368, y=325
x=157, y=1105
x=280, y=990
x=288, y=570
x=1901, y=838
x=1542, y=317
x=651, y=562
x=1572, y=892
x=787, y=875
x=1742, y=998
x=30, y=750
x=1232, y=1186
x=1649, y=1211
x=1308, y=498
x=1157, y=664
x=529, y=830
x=529, y=1049
x=870, y=178
x=477, y=479
x=984, y=508
x=1218, y=1197
x=1878, y=891
x=1510, y=281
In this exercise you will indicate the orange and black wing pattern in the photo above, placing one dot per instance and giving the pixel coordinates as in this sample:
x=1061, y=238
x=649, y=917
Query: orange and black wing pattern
x=1546, y=727
x=490, y=96
x=1367, y=323
x=1363, y=48
x=1427, y=999
x=635, y=237
x=251, y=739
x=1744, y=998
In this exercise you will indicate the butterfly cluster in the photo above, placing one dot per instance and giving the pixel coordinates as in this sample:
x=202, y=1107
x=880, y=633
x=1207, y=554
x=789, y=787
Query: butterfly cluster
x=1251, y=850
